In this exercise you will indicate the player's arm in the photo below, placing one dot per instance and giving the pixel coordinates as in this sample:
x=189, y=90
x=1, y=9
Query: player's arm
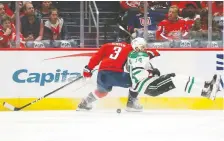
x=96, y=58
x=153, y=53
x=93, y=62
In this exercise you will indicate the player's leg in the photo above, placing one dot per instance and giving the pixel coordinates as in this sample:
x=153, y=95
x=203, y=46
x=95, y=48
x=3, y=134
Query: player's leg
x=133, y=104
x=198, y=86
x=191, y=85
x=157, y=85
x=103, y=87
x=188, y=84
x=124, y=80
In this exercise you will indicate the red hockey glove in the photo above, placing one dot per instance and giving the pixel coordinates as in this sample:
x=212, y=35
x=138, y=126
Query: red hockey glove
x=87, y=72
x=153, y=53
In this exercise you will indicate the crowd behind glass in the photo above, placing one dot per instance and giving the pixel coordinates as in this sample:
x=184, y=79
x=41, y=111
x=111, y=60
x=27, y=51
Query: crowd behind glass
x=170, y=24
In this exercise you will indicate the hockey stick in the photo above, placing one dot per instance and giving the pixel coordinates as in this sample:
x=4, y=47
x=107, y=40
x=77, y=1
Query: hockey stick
x=122, y=28
x=13, y=108
x=81, y=86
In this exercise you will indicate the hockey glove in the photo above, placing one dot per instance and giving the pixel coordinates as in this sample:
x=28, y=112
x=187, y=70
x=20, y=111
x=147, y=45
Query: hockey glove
x=155, y=71
x=87, y=72
x=153, y=53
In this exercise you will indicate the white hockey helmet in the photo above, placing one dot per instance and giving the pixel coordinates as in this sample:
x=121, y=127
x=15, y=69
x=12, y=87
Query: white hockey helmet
x=139, y=44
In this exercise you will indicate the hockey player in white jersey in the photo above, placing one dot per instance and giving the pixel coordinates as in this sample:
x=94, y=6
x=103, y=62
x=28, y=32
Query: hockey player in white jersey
x=146, y=79
x=138, y=45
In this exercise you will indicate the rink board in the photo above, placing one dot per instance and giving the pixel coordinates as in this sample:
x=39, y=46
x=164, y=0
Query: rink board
x=177, y=103
x=29, y=74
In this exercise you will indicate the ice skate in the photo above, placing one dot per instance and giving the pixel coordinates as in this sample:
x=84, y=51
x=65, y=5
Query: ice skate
x=86, y=103
x=84, y=106
x=211, y=88
x=133, y=105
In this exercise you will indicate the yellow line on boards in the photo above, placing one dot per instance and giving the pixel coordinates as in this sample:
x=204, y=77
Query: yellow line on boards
x=171, y=103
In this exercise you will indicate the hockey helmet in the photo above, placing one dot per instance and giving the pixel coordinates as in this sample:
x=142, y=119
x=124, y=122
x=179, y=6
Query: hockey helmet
x=139, y=44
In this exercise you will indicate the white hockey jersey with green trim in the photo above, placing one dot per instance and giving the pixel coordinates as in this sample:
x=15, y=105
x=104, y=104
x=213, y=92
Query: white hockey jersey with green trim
x=138, y=64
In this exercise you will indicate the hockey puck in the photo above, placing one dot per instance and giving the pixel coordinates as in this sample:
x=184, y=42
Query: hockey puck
x=118, y=111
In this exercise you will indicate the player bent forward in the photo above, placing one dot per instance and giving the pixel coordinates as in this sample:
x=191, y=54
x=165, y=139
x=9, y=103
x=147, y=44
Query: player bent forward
x=112, y=58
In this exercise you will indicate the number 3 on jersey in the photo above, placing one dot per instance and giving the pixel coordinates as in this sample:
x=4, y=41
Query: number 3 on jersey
x=116, y=53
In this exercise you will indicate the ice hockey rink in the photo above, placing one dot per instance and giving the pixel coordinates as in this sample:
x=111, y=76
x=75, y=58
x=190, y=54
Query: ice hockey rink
x=155, y=125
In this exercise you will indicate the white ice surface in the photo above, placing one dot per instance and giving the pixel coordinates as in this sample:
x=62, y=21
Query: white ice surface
x=110, y=126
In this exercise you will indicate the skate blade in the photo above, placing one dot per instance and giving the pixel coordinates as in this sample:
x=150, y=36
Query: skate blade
x=85, y=110
x=133, y=110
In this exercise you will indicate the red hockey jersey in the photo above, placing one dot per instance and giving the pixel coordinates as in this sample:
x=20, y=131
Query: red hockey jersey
x=111, y=56
x=171, y=30
x=5, y=41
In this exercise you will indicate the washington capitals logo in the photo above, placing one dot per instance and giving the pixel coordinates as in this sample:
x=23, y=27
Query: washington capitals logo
x=142, y=21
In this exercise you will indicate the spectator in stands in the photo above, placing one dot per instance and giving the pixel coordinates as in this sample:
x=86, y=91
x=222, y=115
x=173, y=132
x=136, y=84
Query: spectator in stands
x=217, y=12
x=31, y=26
x=189, y=14
x=136, y=23
x=125, y=5
x=182, y=4
x=172, y=28
x=8, y=34
x=200, y=28
x=217, y=7
x=4, y=11
x=44, y=10
x=54, y=27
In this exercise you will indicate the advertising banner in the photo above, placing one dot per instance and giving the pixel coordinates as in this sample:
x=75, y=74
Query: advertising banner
x=26, y=75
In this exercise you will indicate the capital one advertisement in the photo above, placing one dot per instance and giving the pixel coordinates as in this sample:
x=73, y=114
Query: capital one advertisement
x=32, y=74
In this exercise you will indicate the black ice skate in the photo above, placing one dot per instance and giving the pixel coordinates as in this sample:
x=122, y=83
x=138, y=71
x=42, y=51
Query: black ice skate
x=133, y=105
x=211, y=87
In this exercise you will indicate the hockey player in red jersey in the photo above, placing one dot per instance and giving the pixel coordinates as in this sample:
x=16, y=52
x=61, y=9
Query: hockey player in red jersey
x=112, y=58
x=111, y=72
